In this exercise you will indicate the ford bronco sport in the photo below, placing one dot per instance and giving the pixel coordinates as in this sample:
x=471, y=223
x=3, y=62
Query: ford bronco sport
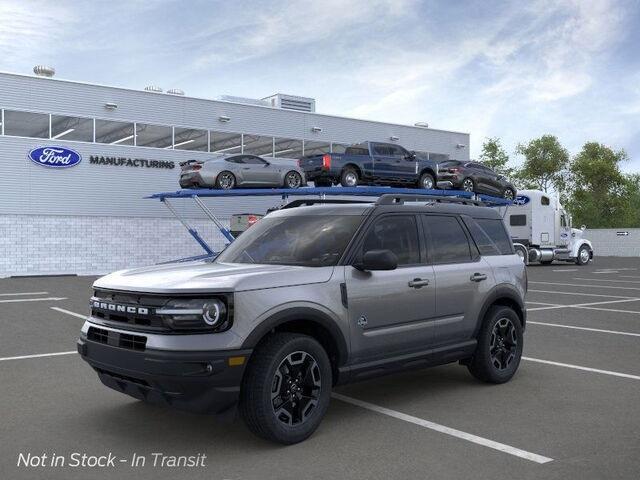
x=309, y=298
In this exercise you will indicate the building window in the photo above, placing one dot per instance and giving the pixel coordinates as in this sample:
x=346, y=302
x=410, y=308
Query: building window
x=287, y=148
x=316, y=148
x=71, y=128
x=190, y=139
x=157, y=136
x=114, y=133
x=226, y=142
x=257, y=145
x=26, y=124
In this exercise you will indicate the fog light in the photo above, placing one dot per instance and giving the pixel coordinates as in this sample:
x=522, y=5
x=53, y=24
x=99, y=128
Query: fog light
x=213, y=312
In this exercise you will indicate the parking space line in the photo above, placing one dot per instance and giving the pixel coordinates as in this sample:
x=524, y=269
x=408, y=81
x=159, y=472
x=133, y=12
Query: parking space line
x=598, y=330
x=47, y=299
x=566, y=270
x=587, y=286
x=22, y=293
x=608, y=280
x=543, y=303
x=485, y=442
x=68, y=312
x=581, y=294
x=585, y=305
x=580, y=367
x=39, y=355
x=608, y=309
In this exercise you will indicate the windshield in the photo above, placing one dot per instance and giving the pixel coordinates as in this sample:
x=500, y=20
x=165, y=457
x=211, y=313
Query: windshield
x=309, y=241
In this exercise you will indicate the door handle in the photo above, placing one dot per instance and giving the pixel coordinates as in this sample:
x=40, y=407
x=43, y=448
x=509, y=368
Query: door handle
x=478, y=277
x=418, y=283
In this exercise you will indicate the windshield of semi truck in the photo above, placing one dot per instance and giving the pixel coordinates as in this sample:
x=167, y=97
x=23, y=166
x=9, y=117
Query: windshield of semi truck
x=309, y=241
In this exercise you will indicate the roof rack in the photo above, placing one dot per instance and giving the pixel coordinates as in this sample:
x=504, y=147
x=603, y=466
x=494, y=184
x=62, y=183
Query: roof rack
x=390, y=199
x=307, y=202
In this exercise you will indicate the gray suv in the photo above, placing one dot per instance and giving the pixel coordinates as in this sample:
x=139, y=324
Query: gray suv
x=308, y=298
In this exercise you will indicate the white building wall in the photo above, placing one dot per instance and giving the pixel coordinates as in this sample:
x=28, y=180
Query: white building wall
x=83, y=245
x=611, y=242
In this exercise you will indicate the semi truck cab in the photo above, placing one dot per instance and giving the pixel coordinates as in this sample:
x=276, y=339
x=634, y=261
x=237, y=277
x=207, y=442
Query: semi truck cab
x=541, y=229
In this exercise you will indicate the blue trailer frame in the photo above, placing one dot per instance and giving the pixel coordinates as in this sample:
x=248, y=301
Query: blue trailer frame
x=322, y=192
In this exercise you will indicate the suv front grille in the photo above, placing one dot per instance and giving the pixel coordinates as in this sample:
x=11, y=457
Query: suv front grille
x=117, y=339
x=134, y=310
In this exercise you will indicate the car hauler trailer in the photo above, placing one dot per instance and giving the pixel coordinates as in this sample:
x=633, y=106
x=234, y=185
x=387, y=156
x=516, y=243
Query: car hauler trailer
x=541, y=230
x=312, y=195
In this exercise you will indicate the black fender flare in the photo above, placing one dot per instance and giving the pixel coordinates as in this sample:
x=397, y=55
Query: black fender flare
x=300, y=314
x=500, y=292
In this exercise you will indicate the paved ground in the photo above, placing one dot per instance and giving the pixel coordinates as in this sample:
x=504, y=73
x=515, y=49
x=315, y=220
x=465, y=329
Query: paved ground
x=576, y=417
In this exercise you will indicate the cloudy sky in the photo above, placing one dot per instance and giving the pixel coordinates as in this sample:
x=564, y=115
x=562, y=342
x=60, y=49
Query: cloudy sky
x=515, y=70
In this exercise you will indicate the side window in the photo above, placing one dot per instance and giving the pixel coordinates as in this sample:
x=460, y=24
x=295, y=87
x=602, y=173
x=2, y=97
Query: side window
x=518, y=220
x=235, y=160
x=397, y=151
x=563, y=221
x=544, y=200
x=493, y=228
x=381, y=150
x=397, y=233
x=449, y=243
x=250, y=159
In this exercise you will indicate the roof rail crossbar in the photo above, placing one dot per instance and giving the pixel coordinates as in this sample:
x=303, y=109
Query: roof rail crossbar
x=390, y=199
x=320, y=201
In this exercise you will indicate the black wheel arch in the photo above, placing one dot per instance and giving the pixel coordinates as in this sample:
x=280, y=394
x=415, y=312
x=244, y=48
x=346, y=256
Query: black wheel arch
x=430, y=171
x=354, y=167
x=307, y=321
x=507, y=296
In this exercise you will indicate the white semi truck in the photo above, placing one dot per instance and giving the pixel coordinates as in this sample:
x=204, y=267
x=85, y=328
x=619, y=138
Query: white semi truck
x=541, y=230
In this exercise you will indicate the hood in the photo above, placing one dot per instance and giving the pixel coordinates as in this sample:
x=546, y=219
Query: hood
x=201, y=276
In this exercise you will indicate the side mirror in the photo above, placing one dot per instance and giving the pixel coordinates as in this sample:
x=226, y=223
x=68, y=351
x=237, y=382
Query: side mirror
x=411, y=155
x=378, y=260
x=583, y=227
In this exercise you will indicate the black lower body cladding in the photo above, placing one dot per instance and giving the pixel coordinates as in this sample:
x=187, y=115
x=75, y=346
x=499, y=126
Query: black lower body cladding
x=198, y=382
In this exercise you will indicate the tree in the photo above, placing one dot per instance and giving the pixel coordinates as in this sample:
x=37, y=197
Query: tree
x=601, y=196
x=495, y=157
x=545, y=164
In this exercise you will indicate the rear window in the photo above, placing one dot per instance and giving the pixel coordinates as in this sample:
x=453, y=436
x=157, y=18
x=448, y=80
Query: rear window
x=357, y=150
x=490, y=236
x=449, y=163
x=449, y=243
x=518, y=220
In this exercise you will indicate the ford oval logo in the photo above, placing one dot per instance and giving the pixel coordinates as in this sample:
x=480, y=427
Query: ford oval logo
x=55, y=157
x=521, y=200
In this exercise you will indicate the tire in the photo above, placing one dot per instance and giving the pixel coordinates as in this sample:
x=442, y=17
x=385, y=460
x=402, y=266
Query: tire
x=427, y=181
x=468, y=185
x=292, y=180
x=584, y=255
x=349, y=177
x=266, y=369
x=509, y=194
x=487, y=365
x=225, y=180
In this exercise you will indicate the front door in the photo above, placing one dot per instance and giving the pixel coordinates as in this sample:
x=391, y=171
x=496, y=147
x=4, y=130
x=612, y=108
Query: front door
x=258, y=171
x=391, y=312
x=463, y=278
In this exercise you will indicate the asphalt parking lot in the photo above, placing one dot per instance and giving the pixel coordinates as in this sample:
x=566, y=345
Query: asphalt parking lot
x=572, y=411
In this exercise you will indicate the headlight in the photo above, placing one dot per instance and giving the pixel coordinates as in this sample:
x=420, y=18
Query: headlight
x=207, y=315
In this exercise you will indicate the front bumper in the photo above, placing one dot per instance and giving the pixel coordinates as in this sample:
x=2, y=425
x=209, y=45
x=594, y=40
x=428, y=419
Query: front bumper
x=199, y=382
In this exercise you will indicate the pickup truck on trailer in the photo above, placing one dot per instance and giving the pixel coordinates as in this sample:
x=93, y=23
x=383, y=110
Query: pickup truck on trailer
x=371, y=163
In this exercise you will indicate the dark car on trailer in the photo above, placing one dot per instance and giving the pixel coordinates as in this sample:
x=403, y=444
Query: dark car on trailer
x=476, y=177
x=371, y=163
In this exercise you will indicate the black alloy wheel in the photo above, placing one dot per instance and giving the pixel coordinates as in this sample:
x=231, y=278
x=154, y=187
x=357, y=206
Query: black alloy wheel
x=504, y=344
x=468, y=185
x=295, y=390
x=226, y=180
x=293, y=180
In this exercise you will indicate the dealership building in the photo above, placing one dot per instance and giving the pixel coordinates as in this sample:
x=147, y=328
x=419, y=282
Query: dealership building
x=91, y=217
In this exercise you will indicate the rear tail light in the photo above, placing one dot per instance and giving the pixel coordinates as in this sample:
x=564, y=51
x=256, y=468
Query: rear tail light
x=298, y=162
x=251, y=219
x=326, y=161
x=197, y=166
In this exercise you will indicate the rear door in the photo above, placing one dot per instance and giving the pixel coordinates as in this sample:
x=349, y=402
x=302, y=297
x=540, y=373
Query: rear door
x=391, y=312
x=383, y=162
x=463, y=278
